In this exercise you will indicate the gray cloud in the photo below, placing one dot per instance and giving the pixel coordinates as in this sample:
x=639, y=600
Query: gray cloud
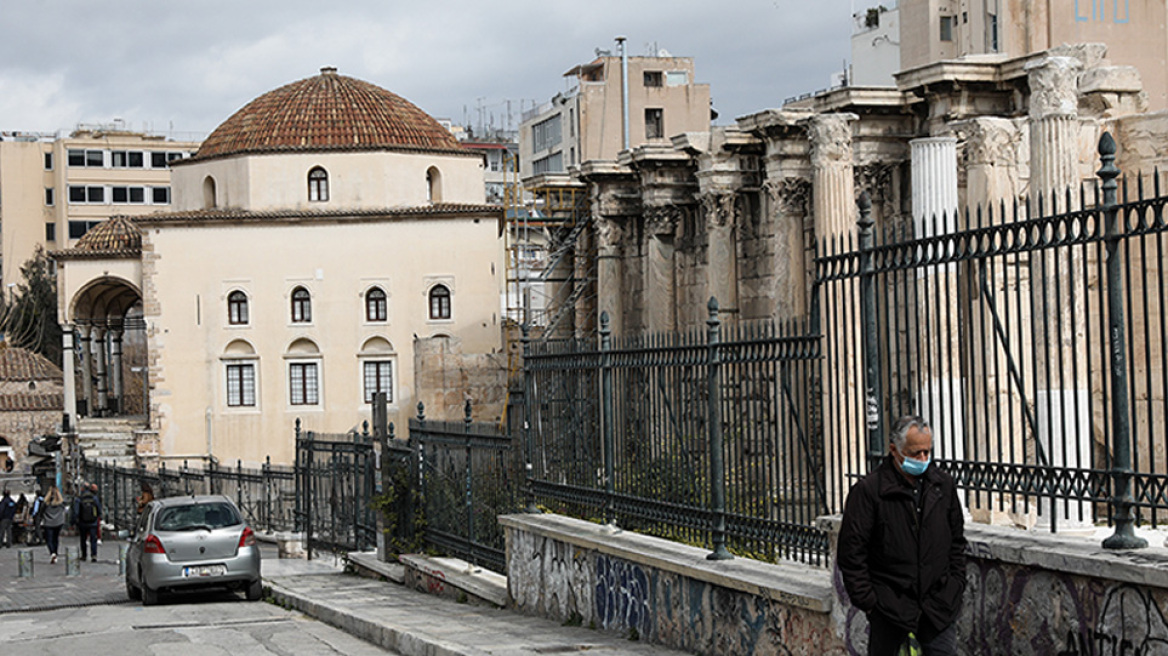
x=187, y=66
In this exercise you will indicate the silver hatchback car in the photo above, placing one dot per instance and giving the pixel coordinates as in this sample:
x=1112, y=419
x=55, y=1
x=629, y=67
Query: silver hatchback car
x=190, y=542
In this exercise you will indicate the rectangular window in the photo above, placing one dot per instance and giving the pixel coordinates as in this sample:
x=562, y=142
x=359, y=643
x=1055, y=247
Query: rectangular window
x=160, y=195
x=241, y=385
x=48, y=161
x=946, y=28
x=76, y=194
x=653, y=78
x=546, y=133
x=676, y=78
x=553, y=163
x=302, y=384
x=137, y=194
x=94, y=158
x=118, y=158
x=378, y=378
x=992, y=32
x=170, y=157
x=136, y=159
x=50, y=232
x=95, y=194
x=50, y=197
x=654, y=123
x=119, y=195
x=77, y=229
x=158, y=160
x=76, y=157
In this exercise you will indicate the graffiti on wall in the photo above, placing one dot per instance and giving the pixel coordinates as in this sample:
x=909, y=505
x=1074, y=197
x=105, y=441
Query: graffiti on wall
x=1103, y=11
x=622, y=595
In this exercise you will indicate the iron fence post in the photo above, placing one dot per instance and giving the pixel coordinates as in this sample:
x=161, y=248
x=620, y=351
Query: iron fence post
x=717, y=458
x=528, y=465
x=606, y=419
x=297, y=484
x=1121, y=499
x=871, y=344
x=419, y=473
x=309, y=456
x=469, y=477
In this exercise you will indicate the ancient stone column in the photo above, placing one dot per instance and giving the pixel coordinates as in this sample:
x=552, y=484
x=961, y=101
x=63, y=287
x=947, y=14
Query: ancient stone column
x=660, y=298
x=833, y=182
x=991, y=167
x=83, y=333
x=115, y=374
x=99, y=370
x=790, y=197
x=608, y=273
x=934, y=205
x=1058, y=326
x=721, y=252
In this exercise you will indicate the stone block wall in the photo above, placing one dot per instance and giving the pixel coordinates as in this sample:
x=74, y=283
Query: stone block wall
x=445, y=377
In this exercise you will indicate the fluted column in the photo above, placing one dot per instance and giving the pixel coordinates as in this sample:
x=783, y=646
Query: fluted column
x=934, y=203
x=789, y=199
x=833, y=171
x=115, y=373
x=608, y=273
x=84, y=333
x=1058, y=333
x=69, y=363
x=720, y=210
x=660, y=286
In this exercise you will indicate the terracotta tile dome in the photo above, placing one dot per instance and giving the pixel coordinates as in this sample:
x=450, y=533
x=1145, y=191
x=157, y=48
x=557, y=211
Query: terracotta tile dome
x=117, y=235
x=327, y=112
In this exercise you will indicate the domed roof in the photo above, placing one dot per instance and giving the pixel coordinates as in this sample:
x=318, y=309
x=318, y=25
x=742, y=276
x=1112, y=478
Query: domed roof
x=116, y=236
x=327, y=112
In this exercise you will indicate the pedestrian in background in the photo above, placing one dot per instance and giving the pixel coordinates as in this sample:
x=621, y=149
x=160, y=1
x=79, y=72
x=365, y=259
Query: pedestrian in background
x=23, y=521
x=53, y=520
x=902, y=548
x=7, y=514
x=146, y=496
x=37, y=513
x=87, y=517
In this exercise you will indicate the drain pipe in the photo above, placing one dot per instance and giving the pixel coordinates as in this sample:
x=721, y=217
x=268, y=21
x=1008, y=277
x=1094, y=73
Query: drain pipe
x=620, y=43
x=210, y=440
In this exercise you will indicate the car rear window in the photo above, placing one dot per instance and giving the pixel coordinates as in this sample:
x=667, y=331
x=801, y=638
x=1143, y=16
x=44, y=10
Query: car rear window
x=209, y=515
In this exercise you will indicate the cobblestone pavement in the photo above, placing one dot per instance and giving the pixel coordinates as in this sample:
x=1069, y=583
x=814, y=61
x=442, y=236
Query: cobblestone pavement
x=49, y=587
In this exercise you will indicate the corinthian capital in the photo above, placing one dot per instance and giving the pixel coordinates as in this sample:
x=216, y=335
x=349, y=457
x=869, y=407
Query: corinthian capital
x=989, y=140
x=719, y=209
x=790, y=195
x=609, y=234
x=1054, y=86
x=662, y=220
x=831, y=138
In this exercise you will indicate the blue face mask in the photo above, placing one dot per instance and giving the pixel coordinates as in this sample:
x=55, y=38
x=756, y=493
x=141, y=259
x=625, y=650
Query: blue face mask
x=915, y=467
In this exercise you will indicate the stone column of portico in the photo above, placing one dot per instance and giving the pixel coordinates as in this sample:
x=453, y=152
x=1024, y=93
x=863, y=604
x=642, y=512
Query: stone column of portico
x=844, y=397
x=660, y=286
x=99, y=370
x=84, y=333
x=69, y=364
x=115, y=373
x=1058, y=324
x=788, y=199
x=934, y=205
x=608, y=273
x=719, y=208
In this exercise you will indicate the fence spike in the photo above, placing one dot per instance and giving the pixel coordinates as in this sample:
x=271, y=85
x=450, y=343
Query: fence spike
x=421, y=411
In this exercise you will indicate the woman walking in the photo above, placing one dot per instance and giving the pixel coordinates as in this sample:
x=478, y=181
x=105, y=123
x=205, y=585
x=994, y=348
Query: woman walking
x=54, y=520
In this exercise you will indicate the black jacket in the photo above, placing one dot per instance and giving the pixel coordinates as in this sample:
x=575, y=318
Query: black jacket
x=894, y=564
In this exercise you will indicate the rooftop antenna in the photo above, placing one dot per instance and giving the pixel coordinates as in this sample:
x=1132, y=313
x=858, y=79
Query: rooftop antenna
x=624, y=55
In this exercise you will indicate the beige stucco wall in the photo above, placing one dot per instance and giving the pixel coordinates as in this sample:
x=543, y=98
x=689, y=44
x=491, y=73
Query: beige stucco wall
x=191, y=270
x=22, y=204
x=356, y=180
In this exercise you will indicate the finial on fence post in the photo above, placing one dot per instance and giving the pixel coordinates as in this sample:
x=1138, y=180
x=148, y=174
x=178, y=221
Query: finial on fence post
x=467, y=411
x=421, y=411
x=1121, y=499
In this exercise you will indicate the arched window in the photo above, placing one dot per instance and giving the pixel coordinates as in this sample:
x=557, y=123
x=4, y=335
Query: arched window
x=318, y=189
x=301, y=305
x=440, y=302
x=433, y=185
x=237, y=308
x=209, y=200
x=375, y=305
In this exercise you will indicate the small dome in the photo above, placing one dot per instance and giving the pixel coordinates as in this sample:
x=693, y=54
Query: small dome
x=118, y=235
x=327, y=112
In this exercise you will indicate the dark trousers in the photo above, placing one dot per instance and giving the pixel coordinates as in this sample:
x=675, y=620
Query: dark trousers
x=53, y=538
x=886, y=638
x=88, y=532
x=6, y=532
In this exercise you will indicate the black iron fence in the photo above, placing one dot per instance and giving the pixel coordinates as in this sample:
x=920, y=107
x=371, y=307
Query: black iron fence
x=266, y=495
x=336, y=480
x=1031, y=336
x=711, y=438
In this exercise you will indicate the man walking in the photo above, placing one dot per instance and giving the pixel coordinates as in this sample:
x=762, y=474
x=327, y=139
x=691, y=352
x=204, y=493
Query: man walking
x=87, y=516
x=901, y=547
x=7, y=515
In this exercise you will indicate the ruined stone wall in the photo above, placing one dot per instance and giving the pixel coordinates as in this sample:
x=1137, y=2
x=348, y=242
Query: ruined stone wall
x=691, y=259
x=445, y=377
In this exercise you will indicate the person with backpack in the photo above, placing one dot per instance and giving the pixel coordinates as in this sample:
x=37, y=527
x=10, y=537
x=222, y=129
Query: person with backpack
x=87, y=517
x=53, y=519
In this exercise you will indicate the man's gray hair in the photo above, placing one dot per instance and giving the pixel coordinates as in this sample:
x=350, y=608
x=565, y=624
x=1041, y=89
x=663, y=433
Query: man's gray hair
x=904, y=425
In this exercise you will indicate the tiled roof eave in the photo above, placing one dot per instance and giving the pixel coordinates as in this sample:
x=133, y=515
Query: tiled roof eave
x=75, y=254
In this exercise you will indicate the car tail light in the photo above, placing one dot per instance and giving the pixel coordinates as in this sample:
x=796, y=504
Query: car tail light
x=153, y=545
x=247, y=538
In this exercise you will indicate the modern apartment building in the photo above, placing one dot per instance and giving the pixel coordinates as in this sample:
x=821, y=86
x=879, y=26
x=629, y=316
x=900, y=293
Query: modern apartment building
x=54, y=189
x=587, y=122
x=1134, y=31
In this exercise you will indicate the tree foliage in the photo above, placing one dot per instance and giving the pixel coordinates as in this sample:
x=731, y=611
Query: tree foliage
x=28, y=311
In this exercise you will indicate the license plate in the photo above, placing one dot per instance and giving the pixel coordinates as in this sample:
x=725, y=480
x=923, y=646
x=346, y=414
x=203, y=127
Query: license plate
x=205, y=570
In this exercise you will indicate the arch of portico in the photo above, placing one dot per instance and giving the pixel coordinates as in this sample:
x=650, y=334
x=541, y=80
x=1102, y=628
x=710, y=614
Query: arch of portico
x=101, y=317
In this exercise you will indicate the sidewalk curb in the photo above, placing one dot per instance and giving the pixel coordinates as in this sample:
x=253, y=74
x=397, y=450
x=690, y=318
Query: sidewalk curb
x=402, y=641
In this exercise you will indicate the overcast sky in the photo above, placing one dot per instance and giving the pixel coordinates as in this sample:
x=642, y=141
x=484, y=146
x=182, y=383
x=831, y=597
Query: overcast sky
x=184, y=67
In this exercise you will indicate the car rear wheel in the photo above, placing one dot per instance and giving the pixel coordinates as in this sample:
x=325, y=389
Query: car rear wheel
x=132, y=591
x=149, y=595
x=255, y=590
